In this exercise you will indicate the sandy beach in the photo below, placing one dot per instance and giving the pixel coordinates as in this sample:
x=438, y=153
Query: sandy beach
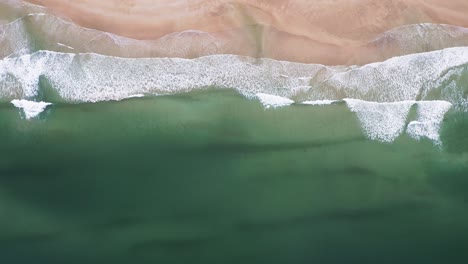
x=326, y=32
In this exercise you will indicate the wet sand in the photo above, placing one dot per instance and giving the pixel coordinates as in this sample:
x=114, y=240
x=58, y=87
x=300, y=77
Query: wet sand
x=326, y=32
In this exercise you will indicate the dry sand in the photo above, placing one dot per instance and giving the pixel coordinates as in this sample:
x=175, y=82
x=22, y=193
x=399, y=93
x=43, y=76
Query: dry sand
x=319, y=31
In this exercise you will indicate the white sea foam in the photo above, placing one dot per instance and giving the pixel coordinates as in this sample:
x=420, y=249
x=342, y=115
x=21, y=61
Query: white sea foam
x=320, y=102
x=386, y=121
x=430, y=117
x=398, y=79
x=269, y=100
x=66, y=46
x=93, y=77
x=14, y=39
x=31, y=109
x=134, y=96
x=381, y=121
x=455, y=93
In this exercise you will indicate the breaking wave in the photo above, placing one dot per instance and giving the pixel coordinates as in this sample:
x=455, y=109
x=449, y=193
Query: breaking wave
x=91, y=77
x=46, y=58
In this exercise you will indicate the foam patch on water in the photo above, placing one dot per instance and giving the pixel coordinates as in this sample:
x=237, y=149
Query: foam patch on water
x=381, y=121
x=66, y=46
x=456, y=91
x=134, y=96
x=430, y=117
x=274, y=101
x=31, y=109
x=320, y=102
x=14, y=39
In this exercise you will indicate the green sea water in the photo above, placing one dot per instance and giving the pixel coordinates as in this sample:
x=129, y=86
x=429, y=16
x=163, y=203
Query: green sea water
x=212, y=177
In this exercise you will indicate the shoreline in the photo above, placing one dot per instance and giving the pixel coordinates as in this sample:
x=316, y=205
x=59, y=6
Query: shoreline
x=329, y=33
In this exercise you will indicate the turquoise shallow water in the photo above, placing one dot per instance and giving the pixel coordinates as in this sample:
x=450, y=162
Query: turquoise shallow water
x=212, y=177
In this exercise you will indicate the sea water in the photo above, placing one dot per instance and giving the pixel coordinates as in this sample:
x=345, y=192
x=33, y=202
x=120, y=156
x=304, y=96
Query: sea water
x=211, y=177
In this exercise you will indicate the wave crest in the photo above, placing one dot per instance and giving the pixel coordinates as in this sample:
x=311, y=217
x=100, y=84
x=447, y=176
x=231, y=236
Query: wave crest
x=93, y=77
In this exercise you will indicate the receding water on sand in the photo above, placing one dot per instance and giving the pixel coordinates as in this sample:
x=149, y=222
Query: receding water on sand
x=213, y=177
